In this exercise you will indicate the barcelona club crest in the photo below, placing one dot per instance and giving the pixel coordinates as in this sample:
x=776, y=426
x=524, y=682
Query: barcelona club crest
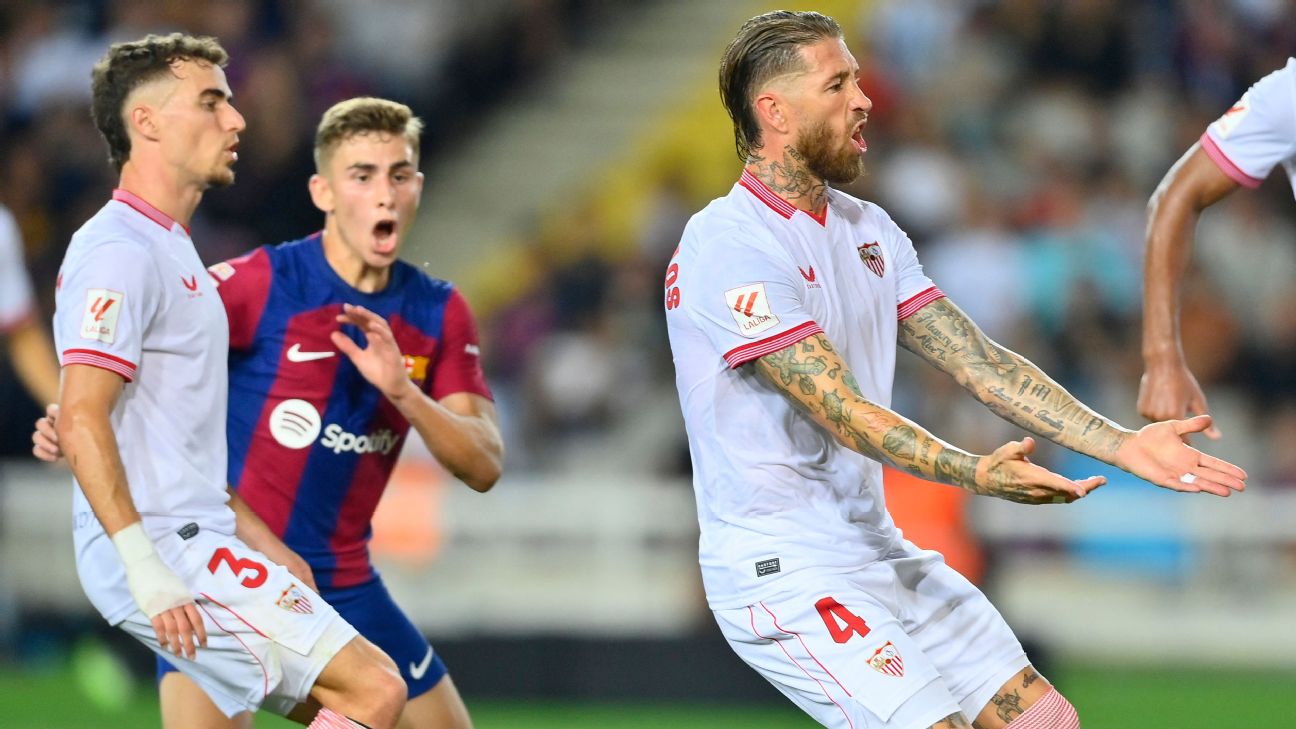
x=871, y=255
x=293, y=600
x=887, y=660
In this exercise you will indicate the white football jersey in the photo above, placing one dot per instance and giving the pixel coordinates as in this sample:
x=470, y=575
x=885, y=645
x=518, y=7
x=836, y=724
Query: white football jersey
x=776, y=494
x=1258, y=132
x=15, y=288
x=134, y=298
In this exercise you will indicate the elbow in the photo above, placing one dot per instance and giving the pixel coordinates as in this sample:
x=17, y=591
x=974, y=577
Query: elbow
x=484, y=480
x=485, y=473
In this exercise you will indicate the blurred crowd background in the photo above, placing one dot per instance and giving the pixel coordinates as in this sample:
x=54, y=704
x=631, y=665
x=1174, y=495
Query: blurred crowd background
x=1017, y=143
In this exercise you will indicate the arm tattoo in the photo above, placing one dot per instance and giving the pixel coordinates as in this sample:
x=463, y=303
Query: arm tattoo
x=953, y=721
x=1008, y=705
x=815, y=377
x=1029, y=677
x=1007, y=383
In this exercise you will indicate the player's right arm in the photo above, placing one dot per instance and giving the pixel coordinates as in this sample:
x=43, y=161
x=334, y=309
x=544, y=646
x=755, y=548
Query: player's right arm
x=1168, y=390
x=84, y=429
x=815, y=377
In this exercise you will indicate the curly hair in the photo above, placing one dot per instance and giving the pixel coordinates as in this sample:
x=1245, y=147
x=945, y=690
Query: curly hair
x=126, y=67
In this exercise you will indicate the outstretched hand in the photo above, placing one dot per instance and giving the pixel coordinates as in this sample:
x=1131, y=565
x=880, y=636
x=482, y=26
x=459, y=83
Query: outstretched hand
x=1159, y=454
x=1170, y=392
x=1008, y=474
x=380, y=361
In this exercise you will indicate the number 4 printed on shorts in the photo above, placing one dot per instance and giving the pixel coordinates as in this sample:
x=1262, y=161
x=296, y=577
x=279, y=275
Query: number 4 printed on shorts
x=831, y=611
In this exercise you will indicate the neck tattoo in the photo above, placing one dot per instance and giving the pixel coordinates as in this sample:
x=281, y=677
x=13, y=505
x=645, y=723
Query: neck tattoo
x=791, y=179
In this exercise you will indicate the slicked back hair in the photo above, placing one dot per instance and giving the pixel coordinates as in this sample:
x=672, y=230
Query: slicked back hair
x=126, y=67
x=364, y=115
x=767, y=46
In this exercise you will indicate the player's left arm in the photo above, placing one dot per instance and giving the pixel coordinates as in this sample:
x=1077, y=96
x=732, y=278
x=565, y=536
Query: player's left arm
x=460, y=429
x=1018, y=391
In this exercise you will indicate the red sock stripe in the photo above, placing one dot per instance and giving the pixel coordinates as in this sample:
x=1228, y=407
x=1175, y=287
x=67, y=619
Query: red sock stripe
x=1051, y=711
x=329, y=719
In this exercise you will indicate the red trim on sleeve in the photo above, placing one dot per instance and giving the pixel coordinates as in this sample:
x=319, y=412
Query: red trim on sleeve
x=918, y=301
x=741, y=355
x=102, y=360
x=1221, y=160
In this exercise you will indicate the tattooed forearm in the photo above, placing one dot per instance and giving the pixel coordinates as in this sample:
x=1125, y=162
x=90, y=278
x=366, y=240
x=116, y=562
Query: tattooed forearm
x=1007, y=383
x=901, y=442
x=956, y=468
x=815, y=377
x=1029, y=676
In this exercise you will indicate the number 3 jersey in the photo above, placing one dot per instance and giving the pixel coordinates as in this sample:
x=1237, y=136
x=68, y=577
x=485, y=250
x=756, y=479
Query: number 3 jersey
x=311, y=441
x=776, y=494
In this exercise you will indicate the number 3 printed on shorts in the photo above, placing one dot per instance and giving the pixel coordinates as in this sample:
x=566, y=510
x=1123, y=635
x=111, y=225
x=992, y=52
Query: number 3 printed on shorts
x=236, y=565
x=831, y=611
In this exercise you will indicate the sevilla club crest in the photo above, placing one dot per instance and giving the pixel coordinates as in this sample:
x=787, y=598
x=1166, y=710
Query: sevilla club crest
x=871, y=255
x=294, y=600
x=887, y=660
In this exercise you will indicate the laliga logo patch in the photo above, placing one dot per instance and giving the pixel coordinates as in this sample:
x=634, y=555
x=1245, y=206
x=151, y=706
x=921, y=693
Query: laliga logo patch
x=887, y=660
x=220, y=272
x=1234, y=116
x=750, y=309
x=100, y=320
x=294, y=424
x=294, y=600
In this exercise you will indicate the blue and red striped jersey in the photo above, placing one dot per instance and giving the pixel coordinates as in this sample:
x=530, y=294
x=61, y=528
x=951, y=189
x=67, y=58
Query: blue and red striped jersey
x=311, y=442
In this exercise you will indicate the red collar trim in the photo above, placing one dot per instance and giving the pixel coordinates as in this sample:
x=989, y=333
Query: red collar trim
x=766, y=195
x=142, y=207
x=776, y=203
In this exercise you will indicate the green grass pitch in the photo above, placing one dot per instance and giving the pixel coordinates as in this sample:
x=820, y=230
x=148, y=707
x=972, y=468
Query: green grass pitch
x=1108, y=698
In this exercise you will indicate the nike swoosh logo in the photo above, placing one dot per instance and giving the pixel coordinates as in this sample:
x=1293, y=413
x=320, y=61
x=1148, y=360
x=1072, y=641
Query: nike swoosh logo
x=296, y=355
x=416, y=672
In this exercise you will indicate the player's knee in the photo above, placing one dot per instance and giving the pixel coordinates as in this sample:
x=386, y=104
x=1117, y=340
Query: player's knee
x=1050, y=711
x=384, y=689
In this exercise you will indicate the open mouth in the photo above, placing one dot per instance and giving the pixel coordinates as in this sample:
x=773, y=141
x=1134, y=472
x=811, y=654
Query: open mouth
x=233, y=151
x=384, y=232
x=858, y=138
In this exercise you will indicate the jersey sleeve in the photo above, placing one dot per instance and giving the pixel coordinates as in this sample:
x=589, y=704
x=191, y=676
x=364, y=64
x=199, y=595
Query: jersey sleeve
x=1258, y=132
x=16, y=303
x=746, y=301
x=914, y=289
x=244, y=286
x=104, y=305
x=457, y=367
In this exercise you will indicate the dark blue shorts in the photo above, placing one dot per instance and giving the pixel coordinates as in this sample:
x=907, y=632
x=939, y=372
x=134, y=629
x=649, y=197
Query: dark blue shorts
x=370, y=610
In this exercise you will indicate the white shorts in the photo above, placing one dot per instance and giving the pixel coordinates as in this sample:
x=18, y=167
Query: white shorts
x=268, y=635
x=899, y=644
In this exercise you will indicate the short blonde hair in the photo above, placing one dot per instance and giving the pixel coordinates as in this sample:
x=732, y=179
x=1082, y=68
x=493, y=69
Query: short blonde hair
x=364, y=115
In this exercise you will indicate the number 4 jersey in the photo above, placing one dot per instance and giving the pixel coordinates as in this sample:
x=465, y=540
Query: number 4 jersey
x=776, y=494
x=311, y=442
